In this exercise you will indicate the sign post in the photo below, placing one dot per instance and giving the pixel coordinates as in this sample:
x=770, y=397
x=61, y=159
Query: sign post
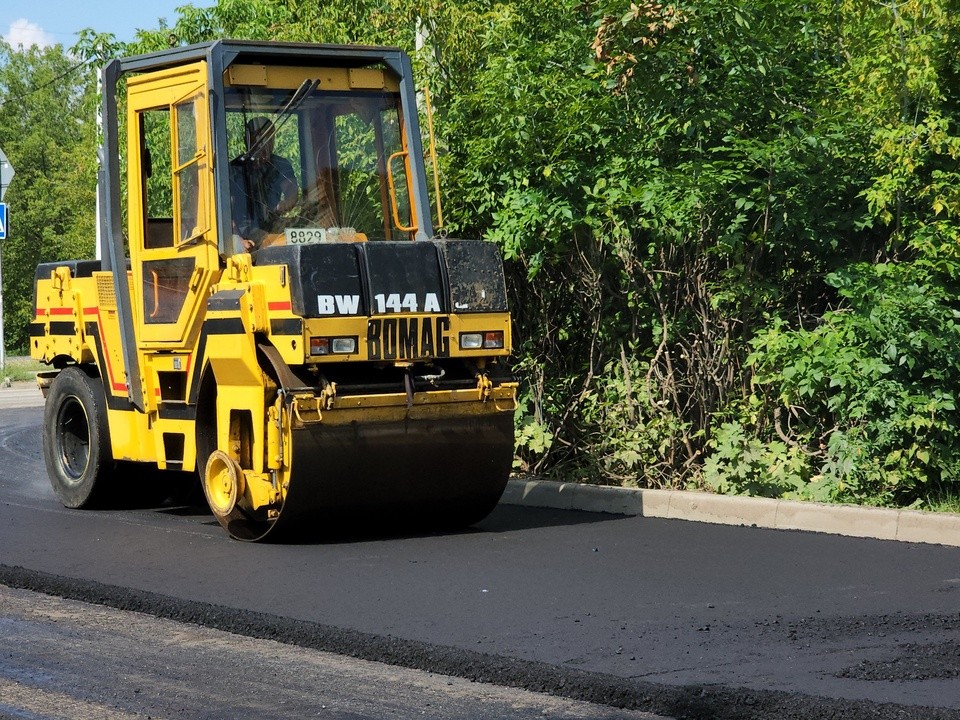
x=3, y=236
x=6, y=175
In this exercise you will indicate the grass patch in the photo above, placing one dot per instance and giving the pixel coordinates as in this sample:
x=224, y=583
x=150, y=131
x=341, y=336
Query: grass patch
x=21, y=368
x=943, y=500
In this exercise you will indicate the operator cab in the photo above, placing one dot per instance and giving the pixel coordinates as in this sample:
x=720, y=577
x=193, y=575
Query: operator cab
x=316, y=155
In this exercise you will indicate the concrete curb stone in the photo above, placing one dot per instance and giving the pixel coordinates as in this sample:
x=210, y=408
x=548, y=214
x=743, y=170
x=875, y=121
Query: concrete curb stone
x=20, y=394
x=852, y=521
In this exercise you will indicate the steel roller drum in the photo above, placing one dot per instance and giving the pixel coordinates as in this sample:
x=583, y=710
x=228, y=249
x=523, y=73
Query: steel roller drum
x=416, y=474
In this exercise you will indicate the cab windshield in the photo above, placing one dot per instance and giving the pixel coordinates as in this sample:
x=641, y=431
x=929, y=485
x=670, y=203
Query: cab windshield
x=310, y=165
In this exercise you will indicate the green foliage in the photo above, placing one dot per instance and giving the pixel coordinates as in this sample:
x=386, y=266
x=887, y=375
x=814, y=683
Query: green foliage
x=47, y=102
x=741, y=464
x=629, y=438
x=872, y=388
x=868, y=389
x=670, y=216
x=941, y=501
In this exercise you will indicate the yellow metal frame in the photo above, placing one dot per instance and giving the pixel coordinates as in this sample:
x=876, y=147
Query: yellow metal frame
x=291, y=77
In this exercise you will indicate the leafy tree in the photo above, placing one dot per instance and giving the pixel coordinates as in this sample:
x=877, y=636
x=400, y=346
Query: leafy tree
x=47, y=130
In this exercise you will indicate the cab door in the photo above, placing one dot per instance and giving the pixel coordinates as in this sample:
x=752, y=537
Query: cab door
x=173, y=244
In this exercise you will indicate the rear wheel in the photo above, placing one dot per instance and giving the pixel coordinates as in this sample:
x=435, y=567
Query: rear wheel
x=76, y=439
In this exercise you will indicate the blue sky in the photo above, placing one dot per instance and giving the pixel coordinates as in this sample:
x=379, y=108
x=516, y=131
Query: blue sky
x=47, y=22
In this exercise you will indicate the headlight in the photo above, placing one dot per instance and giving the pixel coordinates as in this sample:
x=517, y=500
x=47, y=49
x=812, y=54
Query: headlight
x=334, y=346
x=471, y=341
x=343, y=345
x=489, y=340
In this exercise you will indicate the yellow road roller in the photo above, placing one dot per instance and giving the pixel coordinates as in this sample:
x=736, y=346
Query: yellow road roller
x=271, y=309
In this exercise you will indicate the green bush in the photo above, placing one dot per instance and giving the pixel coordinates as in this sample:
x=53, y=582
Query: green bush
x=871, y=391
x=741, y=464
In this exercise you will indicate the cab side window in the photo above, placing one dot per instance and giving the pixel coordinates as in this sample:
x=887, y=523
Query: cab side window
x=190, y=156
x=171, y=160
x=157, y=182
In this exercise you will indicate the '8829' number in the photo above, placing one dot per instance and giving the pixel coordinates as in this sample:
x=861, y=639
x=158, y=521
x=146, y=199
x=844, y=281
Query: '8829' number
x=305, y=236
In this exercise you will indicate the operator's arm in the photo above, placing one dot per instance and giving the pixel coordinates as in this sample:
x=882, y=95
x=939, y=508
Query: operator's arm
x=244, y=227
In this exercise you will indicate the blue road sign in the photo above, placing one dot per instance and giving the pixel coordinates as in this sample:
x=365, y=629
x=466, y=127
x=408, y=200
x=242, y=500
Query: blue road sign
x=3, y=221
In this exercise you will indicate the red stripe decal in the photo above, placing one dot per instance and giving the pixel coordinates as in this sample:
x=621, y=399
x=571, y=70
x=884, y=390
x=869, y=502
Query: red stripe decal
x=120, y=387
x=117, y=386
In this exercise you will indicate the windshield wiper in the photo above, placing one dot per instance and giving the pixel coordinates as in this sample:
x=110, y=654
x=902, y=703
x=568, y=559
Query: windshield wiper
x=280, y=117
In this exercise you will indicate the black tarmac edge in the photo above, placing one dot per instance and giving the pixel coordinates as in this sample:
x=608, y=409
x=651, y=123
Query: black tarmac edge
x=686, y=702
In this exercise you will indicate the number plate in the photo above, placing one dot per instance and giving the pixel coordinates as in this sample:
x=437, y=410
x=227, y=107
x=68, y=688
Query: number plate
x=305, y=236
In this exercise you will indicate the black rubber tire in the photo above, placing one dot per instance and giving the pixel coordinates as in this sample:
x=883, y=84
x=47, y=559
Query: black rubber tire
x=76, y=439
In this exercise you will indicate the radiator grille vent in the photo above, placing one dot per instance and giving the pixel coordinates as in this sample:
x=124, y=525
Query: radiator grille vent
x=105, y=295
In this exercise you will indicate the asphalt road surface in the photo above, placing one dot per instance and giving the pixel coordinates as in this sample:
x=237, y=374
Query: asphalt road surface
x=679, y=619
x=66, y=659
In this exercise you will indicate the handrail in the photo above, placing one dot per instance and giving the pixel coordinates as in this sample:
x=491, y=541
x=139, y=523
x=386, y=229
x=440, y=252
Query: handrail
x=393, y=193
x=156, y=294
